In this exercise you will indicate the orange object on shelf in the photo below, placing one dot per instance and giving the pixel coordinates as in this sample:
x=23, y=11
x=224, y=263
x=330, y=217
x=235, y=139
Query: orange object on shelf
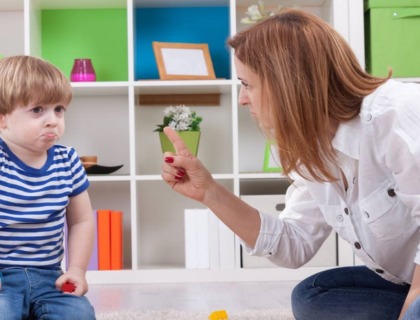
x=116, y=240
x=104, y=239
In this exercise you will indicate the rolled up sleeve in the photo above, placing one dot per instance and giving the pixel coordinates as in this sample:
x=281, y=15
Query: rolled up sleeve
x=296, y=235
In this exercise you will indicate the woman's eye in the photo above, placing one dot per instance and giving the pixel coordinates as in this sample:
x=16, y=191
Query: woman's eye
x=245, y=85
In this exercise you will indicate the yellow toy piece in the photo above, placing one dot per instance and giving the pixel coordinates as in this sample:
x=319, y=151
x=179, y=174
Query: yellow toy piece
x=218, y=315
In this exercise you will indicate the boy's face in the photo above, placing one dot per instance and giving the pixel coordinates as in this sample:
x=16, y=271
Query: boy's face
x=33, y=128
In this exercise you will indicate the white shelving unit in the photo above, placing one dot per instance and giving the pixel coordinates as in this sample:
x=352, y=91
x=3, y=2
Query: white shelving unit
x=105, y=119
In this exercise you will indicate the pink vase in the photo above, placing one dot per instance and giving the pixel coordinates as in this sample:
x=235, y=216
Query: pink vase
x=82, y=71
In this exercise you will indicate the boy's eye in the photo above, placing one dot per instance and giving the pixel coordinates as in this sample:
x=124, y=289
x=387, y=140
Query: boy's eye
x=60, y=109
x=37, y=109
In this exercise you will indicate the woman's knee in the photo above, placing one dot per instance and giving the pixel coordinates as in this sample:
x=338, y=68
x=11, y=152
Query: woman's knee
x=301, y=298
x=413, y=311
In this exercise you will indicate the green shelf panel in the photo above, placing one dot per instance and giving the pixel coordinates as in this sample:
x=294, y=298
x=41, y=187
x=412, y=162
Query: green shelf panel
x=97, y=34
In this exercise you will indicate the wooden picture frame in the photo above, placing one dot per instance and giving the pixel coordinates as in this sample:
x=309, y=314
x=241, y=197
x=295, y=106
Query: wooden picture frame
x=271, y=158
x=183, y=61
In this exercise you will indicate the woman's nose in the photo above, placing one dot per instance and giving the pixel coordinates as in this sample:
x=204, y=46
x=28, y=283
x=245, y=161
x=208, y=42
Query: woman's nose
x=243, y=97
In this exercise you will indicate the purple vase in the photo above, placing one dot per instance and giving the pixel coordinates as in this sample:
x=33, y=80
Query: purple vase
x=82, y=71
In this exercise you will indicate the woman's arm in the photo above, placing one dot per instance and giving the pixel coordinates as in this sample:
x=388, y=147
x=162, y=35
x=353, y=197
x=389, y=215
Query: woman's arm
x=188, y=176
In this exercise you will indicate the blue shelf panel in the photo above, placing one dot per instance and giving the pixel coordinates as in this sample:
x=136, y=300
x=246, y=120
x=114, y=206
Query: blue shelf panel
x=181, y=24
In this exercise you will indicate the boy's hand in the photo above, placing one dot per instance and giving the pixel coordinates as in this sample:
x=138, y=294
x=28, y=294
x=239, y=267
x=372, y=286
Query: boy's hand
x=72, y=283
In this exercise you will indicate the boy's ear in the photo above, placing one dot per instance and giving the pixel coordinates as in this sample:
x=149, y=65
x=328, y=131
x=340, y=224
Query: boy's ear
x=2, y=121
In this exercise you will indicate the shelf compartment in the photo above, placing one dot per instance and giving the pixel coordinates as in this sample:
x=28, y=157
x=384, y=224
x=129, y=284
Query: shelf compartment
x=11, y=19
x=99, y=125
x=161, y=231
x=193, y=24
x=215, y=127
x=82, y=31
x=115, y=196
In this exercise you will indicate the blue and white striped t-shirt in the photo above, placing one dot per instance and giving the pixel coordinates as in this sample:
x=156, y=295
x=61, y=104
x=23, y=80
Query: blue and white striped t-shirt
x=33, y=206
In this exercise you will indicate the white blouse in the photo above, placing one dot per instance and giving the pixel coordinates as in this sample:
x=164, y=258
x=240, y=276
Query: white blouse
x=379, y=213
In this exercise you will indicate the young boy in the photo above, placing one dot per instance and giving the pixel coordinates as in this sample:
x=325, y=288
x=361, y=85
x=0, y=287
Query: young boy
x=42, y=185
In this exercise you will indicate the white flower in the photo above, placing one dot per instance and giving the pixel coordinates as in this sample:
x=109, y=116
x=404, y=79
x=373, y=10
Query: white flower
x=180, y=118
x=257, y=12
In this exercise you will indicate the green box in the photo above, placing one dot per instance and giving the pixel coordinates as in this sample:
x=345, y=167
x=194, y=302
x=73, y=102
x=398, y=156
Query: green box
x=392, y=37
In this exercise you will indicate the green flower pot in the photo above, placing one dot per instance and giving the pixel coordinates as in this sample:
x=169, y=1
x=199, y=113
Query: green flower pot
x=190, y=138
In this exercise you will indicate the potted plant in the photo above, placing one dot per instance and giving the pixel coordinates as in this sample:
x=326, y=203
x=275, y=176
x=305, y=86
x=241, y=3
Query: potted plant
x=186, y=122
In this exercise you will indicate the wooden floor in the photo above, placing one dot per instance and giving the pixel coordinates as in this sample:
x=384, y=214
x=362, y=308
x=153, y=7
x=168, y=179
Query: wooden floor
x=231, y=296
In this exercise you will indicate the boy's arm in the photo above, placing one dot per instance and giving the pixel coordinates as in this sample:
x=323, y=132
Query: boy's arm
x=80, y=226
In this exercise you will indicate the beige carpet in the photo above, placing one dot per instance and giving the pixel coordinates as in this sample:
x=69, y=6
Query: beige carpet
x=276, y=314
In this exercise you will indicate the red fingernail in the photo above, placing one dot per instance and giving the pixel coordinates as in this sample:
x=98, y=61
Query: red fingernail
x=180, y=173
x=169, y=159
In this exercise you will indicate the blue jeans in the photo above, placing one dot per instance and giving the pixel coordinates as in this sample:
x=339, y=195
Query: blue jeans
x=30, y=293
x=350, y=293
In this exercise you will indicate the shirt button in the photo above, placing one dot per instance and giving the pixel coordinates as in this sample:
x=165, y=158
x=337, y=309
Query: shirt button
x=354, y=180
x=340, y=218
x=357, y=245
x=368, y=117
x=379, y=271
x=391, y=192
x=346, y=210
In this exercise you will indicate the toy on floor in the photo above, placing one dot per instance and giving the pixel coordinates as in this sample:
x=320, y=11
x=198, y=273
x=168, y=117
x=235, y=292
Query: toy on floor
x=218, y=315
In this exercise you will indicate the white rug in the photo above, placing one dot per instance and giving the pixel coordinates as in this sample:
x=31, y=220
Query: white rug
x=276, y=314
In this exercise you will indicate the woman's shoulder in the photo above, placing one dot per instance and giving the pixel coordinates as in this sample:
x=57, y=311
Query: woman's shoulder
x=392, y=96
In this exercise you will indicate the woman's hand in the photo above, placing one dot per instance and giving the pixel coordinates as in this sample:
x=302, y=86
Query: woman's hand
x=184, y=172
x=187, y=175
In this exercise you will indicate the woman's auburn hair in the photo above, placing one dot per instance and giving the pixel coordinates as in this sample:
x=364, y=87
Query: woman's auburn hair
x=311, y=80
x=28, y=80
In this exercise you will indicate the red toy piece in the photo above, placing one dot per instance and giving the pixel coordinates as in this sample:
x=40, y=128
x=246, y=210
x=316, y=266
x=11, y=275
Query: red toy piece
x=68, y=287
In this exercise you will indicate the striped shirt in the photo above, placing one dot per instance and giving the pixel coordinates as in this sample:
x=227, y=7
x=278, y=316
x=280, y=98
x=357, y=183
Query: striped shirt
x=33, y=206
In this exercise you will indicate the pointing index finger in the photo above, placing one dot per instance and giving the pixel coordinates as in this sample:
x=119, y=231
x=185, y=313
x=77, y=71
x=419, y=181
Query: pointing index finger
x=179, y=145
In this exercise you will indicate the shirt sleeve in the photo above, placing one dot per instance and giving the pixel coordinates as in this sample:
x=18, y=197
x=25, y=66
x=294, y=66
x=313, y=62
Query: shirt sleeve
x=293, y=238
x=79, y=176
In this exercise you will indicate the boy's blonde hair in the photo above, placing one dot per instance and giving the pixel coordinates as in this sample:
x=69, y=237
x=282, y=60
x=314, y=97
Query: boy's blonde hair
x=26, y=79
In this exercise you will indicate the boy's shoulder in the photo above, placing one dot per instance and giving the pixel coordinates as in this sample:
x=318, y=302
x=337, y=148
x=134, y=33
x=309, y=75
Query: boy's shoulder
x=63, y=152
x=58, y=148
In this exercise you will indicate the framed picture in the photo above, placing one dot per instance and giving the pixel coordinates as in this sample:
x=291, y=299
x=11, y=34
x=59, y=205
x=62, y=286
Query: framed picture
x=271, y=158
x=183, y=61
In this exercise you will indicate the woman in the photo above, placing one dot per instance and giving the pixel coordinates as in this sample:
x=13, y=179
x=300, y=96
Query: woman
x=348, y=141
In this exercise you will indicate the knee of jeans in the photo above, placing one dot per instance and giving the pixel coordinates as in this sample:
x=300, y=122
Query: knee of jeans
x=298, y=299
x=413, y=311
x=11, y=307
x=304, y=299
x=87, y=313
x=73, y=307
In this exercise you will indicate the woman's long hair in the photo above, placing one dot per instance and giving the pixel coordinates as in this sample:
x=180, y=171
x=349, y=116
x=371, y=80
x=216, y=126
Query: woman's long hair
x=311, y=80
